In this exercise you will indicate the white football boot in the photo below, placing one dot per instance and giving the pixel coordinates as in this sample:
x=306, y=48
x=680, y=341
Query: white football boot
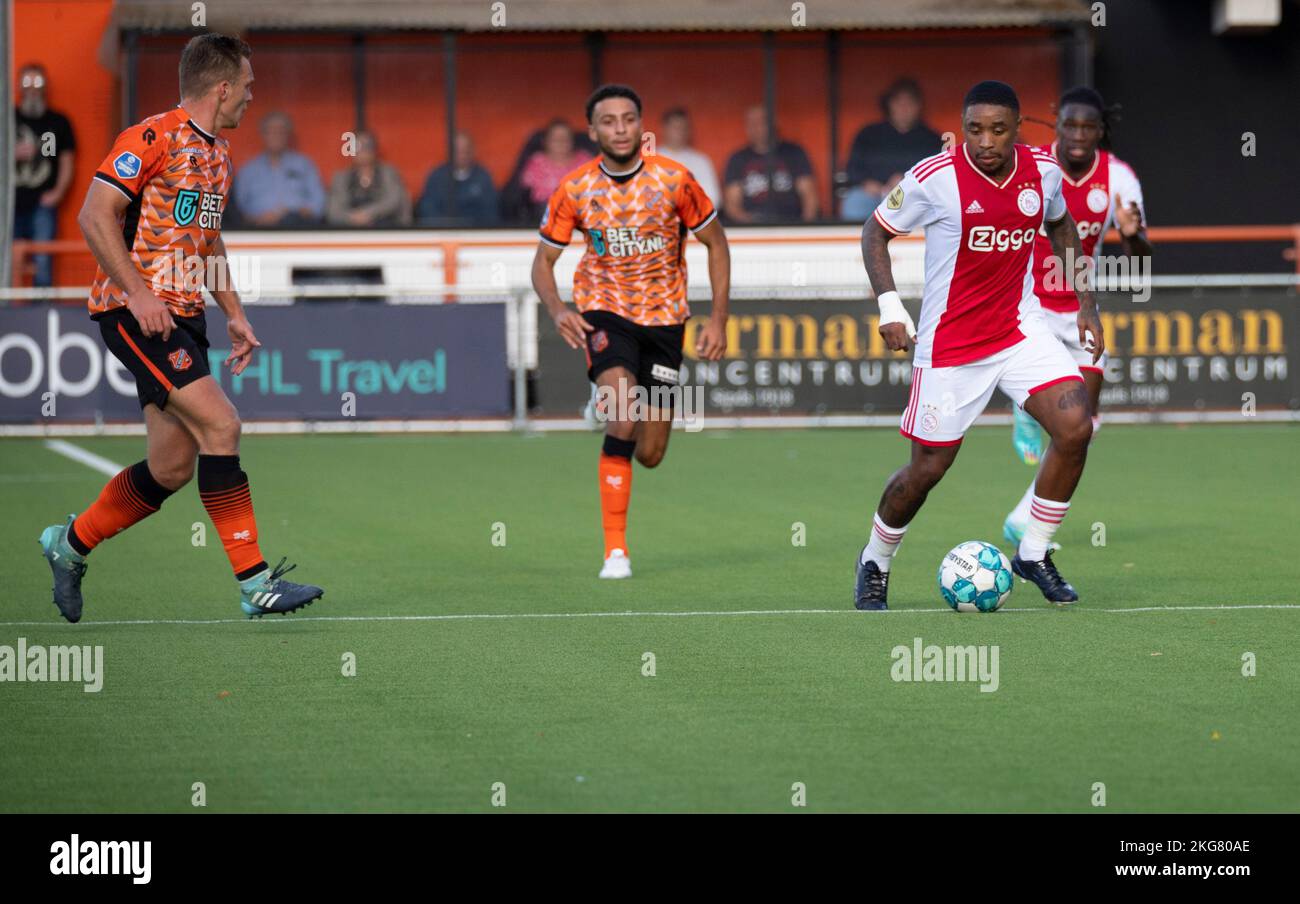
x=617, y=566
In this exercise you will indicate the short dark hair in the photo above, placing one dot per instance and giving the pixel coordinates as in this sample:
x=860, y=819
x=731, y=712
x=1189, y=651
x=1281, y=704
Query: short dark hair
x=904, y=85
x=1089, y=97
x=1083, y=95
x=999, y=94
x=208, y=59
x=605, y=92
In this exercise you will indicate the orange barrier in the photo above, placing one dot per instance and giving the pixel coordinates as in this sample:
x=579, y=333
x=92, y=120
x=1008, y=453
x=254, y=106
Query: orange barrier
x=450, y=248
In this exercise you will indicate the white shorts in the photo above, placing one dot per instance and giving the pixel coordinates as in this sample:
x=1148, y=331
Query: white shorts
x=1065, y=326
x=945, y=401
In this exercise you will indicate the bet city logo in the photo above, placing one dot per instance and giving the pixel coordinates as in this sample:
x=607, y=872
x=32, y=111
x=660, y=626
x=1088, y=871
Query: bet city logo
x=193, y=203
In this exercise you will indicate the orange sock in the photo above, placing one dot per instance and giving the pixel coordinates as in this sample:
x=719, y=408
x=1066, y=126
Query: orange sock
x=615, y=493
x=131, y=496
x=223, y=487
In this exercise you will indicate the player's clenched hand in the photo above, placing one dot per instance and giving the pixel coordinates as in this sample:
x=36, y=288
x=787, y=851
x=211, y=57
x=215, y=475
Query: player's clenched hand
x=1128, y=218
x=1090, y=325
x=242, y=343
x=151, y=314
x=896, y=326
x=895, y=336
x=712, y=341
x=572, y=327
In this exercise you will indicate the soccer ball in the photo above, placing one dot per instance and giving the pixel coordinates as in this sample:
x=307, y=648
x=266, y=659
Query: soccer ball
x=975, y=577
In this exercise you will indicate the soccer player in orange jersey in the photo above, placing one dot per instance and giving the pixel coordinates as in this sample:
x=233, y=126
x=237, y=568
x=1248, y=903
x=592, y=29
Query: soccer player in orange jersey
x=630, y=292
x=152, y=218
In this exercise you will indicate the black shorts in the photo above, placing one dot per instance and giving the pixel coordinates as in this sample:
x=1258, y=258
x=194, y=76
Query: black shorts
x=158, y=367
x=652, y=353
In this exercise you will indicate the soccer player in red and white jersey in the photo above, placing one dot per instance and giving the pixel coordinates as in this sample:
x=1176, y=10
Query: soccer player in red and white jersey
x=981, y=327
x=1100, y=191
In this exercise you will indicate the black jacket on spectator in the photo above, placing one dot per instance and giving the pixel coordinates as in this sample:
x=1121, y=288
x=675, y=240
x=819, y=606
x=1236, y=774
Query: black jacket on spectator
x=476, y=198
x=879, y=151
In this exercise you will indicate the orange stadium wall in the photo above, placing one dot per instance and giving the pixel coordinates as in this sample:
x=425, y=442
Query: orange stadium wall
x=65, y=36
x=508, y=85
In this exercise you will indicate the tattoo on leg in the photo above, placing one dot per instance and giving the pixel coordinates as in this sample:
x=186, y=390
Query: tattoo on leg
x=1076, y=397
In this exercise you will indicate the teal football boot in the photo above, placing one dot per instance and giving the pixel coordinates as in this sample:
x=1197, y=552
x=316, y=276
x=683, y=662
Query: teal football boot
x=1026, y=436
x=268, y=593
x=69, y=567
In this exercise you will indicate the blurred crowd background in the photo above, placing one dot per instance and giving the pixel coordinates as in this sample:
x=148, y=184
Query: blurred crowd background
x=397, y=116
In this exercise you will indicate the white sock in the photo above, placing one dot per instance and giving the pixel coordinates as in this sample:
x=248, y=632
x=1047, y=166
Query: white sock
x=1020, y=514
x=1045, y=516
x=883, y=543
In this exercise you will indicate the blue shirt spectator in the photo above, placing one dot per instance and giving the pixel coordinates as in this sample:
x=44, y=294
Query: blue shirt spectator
x=279, y=187
x=464, y=180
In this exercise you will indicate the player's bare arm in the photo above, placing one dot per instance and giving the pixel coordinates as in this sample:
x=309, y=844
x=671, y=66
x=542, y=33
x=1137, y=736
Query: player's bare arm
x=895, y=329
x=1064, y=236
x=100, y=222
x=224, y=293
x=712, y=342
x=572, y=328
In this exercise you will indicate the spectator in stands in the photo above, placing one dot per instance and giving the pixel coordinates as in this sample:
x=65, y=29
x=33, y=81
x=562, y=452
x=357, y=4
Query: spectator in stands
x=279, y=187
x=542, y=173
x=369, y=192
x=44, y=157
x=675, y=144
x=463, y=180
x=768, y=180
x=515, y=205
x=883, y=151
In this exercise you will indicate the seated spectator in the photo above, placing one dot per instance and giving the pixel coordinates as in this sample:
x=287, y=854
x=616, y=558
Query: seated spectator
x=279, y=187
x=768, y=180
x=543, y=171
x=883, y=151
x=675, y=144
x=515, y=206
x=44, y=160
x=464, y=181
x=369, y=192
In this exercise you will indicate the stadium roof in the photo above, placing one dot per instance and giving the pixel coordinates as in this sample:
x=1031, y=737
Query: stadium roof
x=598, y=15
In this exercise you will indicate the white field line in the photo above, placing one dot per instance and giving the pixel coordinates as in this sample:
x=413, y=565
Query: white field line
x=105, y=466
x=78, y=454
x=485, y=616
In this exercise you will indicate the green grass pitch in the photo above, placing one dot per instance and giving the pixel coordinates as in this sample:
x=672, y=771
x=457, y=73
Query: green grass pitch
x=1153, y=704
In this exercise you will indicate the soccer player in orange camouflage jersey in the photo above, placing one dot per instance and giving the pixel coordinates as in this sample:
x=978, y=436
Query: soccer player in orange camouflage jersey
x=152, y=218
x=630, y=292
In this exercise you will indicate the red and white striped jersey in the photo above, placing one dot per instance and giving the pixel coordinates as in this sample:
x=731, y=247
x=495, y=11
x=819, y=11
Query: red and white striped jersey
x=1091, y=202
x=979, y=239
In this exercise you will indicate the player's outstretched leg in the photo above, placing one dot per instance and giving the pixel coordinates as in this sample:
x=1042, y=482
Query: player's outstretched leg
x=1063, y=411
x=902, y=499
x=631, y=430
x=131, y=496
x=224, y=490
x=127, y=499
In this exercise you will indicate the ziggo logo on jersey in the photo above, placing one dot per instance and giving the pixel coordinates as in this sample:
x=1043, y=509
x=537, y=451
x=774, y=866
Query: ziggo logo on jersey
x=986, y=238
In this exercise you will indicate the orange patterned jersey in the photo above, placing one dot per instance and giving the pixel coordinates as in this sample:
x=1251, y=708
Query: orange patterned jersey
x=176, y=177
x=635, y=262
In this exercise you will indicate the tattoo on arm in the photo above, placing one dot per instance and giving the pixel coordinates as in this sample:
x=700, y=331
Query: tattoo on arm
x=875, y=255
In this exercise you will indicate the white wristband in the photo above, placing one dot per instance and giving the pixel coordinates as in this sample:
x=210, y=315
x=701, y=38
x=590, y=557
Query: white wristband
x=892, y=311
